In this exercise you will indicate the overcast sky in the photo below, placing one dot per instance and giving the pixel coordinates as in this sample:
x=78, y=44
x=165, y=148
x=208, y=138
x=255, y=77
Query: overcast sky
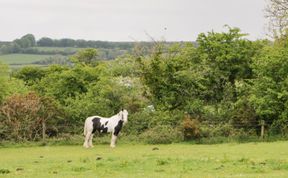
x=128, y=20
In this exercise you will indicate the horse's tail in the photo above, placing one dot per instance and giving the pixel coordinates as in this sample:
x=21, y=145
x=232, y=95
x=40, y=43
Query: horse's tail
x=85, y=129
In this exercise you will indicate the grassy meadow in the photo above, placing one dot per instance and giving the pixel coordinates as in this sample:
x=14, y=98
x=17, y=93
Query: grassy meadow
x=21, y=60
x=49, y=49
x=13, y=59
x=138, y=160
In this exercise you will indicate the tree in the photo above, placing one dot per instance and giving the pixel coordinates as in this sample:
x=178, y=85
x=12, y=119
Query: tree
x=228, y=57
x=26, y=41
x=62, y=83
x=45, y=41
x=81, y=43
x=277, y=14
x=171, y=76
x=188, y=75
x=66, y=42
x=85, y=56
x=31, y=39
x=10, y=48
x=268, y=92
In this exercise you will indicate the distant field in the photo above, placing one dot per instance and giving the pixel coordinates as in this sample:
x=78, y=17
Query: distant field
x=263, y=160
x=22, y=58
x=49, y=49
x=43, y=53
x=55, y=48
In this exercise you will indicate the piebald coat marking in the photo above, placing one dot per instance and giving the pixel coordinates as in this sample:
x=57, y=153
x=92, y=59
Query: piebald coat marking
x=100, y=124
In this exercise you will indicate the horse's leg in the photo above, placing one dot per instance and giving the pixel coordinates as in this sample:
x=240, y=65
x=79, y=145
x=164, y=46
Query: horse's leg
x=87, y=137
x=113, y=141
x=90, y=140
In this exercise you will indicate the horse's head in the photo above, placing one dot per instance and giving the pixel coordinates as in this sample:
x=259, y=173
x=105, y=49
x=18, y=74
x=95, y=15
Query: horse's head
x=124, y=115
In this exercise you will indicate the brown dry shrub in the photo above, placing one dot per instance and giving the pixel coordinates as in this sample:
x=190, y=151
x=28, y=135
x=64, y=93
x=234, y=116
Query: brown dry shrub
x=190, y=128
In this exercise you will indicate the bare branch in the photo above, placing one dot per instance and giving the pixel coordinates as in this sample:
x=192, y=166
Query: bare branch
x=277, y=14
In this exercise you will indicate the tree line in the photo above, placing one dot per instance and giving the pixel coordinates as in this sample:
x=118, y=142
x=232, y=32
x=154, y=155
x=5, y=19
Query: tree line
x=26, y=43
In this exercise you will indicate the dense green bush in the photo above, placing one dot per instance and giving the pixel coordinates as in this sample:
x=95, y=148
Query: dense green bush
x=138, y=122
x=223, y=130
x=161, y=134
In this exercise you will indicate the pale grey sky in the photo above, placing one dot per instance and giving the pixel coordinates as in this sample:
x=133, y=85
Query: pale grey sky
x=128, y=20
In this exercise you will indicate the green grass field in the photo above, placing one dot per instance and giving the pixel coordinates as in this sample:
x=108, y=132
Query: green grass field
x=128, y=160
x=72, y=49
x=21, y=58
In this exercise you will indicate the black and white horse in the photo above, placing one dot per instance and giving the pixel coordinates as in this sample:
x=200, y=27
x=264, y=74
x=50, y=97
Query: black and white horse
x=100, y=124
